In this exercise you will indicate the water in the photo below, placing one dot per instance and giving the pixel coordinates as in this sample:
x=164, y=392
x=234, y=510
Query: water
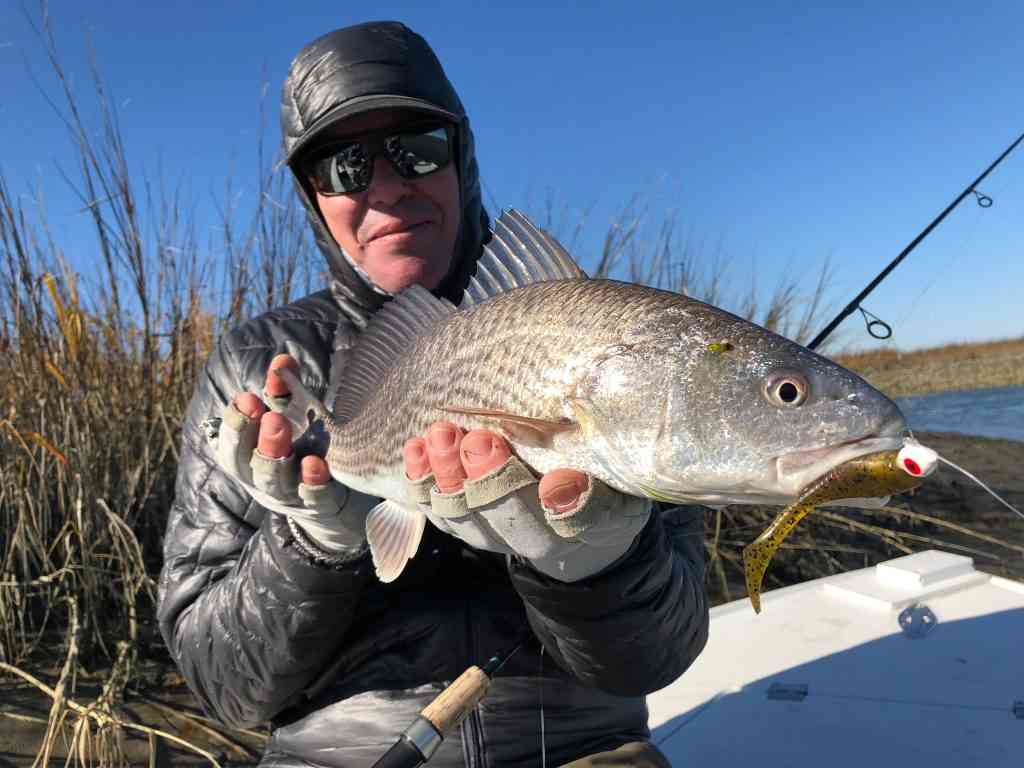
x=986, y=412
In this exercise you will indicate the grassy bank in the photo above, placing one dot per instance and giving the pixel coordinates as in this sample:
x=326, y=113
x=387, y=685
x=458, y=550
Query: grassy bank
x=951, y=367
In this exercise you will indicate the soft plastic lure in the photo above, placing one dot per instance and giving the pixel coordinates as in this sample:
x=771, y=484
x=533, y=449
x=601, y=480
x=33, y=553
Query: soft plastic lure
x=871, y=476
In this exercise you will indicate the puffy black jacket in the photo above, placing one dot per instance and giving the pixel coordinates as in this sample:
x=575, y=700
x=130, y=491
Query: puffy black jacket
x=340, y=663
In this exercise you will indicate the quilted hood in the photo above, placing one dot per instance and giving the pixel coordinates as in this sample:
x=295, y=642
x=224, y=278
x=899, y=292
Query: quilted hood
x=356, y=69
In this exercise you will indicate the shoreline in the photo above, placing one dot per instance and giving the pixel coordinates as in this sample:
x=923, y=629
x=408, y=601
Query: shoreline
x=985, y=365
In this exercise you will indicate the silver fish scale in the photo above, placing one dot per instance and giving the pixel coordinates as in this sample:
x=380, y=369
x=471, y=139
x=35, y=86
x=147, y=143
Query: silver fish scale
x=519, y=352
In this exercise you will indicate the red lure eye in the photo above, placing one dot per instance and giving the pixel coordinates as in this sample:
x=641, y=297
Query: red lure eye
x=912, y=466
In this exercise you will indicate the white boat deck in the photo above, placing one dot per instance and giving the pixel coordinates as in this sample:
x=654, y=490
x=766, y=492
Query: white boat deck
x=918, y=661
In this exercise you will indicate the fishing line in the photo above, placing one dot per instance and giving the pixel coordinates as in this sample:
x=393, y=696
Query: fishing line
x=543, y=741
x=955, y=253
x=877, y=327
x=1006, y=210
x=982, y=199
x=998, y=497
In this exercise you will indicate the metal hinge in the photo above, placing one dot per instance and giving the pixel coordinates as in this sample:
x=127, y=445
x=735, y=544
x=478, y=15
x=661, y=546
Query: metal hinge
x=787, y=691
x=1018, y=710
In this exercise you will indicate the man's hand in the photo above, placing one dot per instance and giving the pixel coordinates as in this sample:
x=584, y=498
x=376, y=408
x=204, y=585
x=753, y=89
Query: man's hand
x=255, y=445
x=569, y=525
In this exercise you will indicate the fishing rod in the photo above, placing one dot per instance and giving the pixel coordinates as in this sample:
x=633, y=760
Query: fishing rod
x=420, y=741
x=983, y=200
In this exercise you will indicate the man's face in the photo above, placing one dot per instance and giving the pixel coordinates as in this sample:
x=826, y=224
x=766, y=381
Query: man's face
x=399, y=231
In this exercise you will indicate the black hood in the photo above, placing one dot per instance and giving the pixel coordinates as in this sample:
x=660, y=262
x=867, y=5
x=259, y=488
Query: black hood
x=354, y=70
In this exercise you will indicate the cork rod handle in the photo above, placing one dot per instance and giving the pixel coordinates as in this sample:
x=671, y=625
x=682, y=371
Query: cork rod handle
x=456, y=701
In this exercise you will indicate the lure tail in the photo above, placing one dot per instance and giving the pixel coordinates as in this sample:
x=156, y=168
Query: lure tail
x=874, y=475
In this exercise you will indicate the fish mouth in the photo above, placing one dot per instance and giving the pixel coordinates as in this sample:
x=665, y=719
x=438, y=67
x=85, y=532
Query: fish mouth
x=784, y=476
x=796, y=470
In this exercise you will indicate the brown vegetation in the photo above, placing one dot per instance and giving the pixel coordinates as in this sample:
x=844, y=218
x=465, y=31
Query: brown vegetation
x=954, y=366
x=96, y=381
x=96, y=384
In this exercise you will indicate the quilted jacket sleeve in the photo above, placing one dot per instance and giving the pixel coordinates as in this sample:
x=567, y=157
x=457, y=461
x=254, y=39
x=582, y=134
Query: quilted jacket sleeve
x=249, y=622
x=637, y=626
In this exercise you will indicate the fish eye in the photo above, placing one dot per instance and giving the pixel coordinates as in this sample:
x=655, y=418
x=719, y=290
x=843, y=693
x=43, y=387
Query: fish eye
x=786, y=389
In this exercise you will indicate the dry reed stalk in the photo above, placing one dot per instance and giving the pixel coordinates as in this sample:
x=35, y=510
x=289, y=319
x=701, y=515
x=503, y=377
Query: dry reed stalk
x=81, y=514
x=940, y=523
x=715, y=560
x=59, y=694
x=103, y=719
x=890, y=538
x=208, y=728
x=25, y=718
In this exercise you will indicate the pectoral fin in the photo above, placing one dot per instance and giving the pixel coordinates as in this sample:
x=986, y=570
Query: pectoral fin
x=393, y=533
x=523, y=429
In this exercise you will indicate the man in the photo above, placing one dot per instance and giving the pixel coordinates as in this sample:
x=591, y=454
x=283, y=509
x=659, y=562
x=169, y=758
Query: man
x=268, y=598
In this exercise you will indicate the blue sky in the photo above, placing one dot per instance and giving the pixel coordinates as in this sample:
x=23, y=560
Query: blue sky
x=781, y=134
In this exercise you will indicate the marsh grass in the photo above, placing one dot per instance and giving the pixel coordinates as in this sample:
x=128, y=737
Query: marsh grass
x=953, y=366
x=97, y=378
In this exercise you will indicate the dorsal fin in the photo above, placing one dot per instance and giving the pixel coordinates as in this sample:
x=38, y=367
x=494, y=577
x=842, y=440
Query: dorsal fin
x=389, y=333
x=519, y=254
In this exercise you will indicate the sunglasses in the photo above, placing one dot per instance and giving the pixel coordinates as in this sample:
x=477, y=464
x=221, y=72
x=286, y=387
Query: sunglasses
x=346, y=167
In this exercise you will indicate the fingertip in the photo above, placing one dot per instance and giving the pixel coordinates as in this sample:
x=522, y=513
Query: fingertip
x=560, y=490
x=483, y=451
x=275, y=438
x=417, y=463
x=275, y=386
x=443, y=436
x=314, y=471
x=250, y=406
x=442, y=444
x=284, y=360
